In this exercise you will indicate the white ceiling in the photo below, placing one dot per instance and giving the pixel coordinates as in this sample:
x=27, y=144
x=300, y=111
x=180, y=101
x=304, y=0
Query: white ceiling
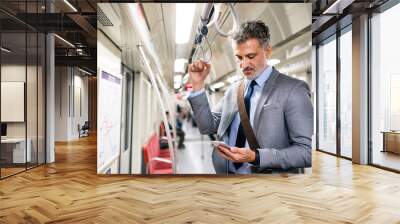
x=284, y=20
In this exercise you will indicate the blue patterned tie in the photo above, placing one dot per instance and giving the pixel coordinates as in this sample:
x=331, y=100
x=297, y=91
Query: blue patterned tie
x=241, y=138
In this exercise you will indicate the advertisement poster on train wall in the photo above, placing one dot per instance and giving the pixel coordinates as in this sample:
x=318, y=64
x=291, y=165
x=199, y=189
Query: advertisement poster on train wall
x=109, y=112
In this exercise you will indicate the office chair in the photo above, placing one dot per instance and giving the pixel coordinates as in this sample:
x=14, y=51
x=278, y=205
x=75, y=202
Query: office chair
x=84, y=130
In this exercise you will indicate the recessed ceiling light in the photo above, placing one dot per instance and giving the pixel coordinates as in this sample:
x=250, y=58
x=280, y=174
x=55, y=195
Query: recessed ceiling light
x=84, y=71
x=64, y=40
x=337, y=7
x=70, y=5
x=5, y=49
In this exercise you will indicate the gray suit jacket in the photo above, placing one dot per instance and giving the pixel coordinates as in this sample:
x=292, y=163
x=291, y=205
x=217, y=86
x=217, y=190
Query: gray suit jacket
x=283, y=122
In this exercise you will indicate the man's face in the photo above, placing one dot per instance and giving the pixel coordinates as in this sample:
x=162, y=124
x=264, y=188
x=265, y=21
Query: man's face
x=252, y=57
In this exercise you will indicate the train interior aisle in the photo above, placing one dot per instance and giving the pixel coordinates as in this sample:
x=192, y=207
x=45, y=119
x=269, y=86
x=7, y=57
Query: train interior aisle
x=195, y=157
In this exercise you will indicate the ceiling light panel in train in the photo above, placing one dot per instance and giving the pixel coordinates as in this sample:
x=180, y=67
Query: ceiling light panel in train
x=184, y=21
x=179, y=66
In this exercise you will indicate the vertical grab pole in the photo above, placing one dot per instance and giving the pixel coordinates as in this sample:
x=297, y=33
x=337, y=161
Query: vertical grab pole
x=172, y=112
x=165, y=120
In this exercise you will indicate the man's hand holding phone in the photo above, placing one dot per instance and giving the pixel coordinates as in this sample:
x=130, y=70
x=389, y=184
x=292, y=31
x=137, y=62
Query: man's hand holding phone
x=219, y=143
x=233, y=153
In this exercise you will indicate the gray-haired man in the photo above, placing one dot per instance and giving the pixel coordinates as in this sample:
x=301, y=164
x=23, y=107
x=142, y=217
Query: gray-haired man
x=280, y=110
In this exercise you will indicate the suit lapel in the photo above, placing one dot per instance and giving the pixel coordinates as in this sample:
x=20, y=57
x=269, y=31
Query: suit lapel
x=266, y=92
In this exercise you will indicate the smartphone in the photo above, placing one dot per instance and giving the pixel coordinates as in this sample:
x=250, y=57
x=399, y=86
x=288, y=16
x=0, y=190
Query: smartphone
x=217, y=143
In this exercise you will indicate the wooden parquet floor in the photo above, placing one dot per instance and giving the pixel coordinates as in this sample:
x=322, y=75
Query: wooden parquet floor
x=70, y=191
x=10, y=171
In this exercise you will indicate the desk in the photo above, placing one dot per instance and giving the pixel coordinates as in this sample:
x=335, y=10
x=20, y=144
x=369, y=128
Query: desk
x=13, y=150
x=391, y=141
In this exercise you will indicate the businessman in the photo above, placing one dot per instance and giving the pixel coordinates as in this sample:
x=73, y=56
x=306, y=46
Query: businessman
x=277, y=106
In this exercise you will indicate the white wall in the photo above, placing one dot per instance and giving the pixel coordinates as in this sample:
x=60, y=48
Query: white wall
x=79, y=117
x=69, y=79
x=17, y=73
x=33, y=126
x=14, y=73
x=62, y=81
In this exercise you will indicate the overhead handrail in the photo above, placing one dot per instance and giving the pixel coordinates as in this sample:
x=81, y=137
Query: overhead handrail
x=234, y=26
x=217, y=11
x=206, y=23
